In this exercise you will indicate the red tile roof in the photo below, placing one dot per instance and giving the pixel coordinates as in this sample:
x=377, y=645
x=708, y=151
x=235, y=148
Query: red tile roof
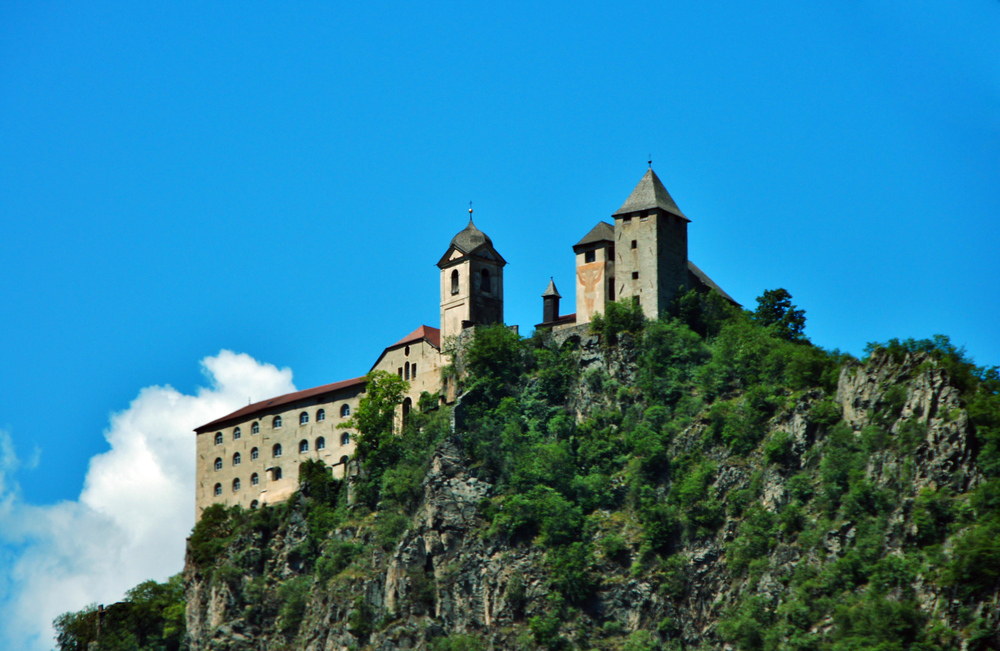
x=432, y=335
x=266, y=405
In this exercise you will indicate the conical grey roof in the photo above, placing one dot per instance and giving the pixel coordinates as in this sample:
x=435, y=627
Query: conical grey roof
x=470, y=238
x=650, y=194
x=551, y=290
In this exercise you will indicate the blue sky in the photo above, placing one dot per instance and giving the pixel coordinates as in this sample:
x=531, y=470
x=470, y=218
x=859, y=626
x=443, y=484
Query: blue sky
x=278, y=181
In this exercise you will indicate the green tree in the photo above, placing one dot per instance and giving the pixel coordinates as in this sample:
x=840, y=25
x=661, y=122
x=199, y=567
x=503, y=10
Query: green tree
x=775, y=311
x=373, y=419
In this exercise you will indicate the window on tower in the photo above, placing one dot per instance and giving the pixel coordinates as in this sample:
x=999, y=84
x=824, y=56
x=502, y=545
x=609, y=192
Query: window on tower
x=590, y=256
x=485, y=281
x=454, y=281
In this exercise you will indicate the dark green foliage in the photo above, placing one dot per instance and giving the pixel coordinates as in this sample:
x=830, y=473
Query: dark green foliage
x=458, y=642
x=670, y=353
x=619, y=317
x=932, y=515
x=776, y=312
x=293, y=595
x=754, y=540
x=571, y=572
x=361, y=619
x=151, y=618
x=974, y=565
x=545, y=629
x=541, y=512
x=842, y=463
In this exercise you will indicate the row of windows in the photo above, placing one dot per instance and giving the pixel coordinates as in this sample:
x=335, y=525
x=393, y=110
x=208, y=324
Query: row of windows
x=345, y=411
x=407, y=371
x=345, y=439
x=255, y=481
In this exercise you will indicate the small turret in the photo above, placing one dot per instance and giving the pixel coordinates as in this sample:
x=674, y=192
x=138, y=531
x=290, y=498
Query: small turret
x=550, y=303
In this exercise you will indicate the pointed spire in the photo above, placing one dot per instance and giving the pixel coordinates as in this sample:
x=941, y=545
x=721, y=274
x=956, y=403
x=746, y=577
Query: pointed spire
x=650, y=194
x=551, y=289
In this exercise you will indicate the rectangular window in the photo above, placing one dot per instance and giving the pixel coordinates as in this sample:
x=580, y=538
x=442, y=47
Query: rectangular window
x=627, y=220
x=644, y=217
x=611, y=252
x=635, y=244
x=635, y=275
x=590, y=256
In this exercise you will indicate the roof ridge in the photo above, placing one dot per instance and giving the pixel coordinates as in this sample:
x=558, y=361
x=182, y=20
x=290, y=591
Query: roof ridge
x=649, y=194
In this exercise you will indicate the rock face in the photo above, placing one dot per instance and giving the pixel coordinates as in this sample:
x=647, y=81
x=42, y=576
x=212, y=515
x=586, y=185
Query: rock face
x=446, y=577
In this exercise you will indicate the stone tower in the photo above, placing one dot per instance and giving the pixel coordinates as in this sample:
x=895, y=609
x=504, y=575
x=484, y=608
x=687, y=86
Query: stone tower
x=651, y=248
x=471, y=282
x=595, y=271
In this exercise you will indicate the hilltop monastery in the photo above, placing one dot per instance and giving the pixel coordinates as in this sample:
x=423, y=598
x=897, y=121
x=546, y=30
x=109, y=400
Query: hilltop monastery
x=251, y=456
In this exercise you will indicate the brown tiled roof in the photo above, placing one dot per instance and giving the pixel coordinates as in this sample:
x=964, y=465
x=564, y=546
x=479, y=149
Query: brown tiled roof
x=432, y=335
x=267, y=405
x=565, y=318
x=423, y=333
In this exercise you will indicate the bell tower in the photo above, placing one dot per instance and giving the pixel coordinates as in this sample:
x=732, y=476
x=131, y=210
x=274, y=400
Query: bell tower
x=471, y=282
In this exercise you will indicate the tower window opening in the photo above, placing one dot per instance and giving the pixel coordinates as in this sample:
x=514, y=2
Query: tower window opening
x=611, y=288
x=454, y=282
x=635, y=244
x=635, y=275
x=406, y=371
x=413, y=371
x=590, y=256
x=484, y=276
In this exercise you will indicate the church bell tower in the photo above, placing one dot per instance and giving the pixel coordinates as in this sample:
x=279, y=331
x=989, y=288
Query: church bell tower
x=471, y=282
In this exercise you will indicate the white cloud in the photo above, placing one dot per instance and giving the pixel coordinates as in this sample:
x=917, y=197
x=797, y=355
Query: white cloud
x=135, y=510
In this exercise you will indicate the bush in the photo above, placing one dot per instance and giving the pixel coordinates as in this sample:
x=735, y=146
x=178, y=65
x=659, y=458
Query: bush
x=542, y=512
x=619, y=317
x=293, y=595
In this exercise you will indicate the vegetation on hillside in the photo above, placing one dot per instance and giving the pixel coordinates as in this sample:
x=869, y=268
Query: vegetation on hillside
x=698, y=394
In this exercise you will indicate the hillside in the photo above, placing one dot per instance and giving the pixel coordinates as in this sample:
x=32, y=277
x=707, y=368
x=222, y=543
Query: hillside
x=708, y=482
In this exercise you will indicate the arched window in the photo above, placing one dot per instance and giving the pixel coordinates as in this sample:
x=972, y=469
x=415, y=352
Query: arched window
x=275, y=474
x=344, y=459
x=484, y=283
x=321, y=443
x=218, y=438
x=454, y=281
x=254, y=479
x=276, y=450
x=236, y=433
x=255, y=428
x=406, y=351
x=236, y=484
x=345, y=438
x=406, y=371
x=345, y=411
x=303, y=418
x=407, y=406
x=413, y=370
x=320, y=415
x=303, y=446
x=236, y=459
x=218, y=490
x=276, y=423
x=253, y=505
x=254, y=454
x=218, y=464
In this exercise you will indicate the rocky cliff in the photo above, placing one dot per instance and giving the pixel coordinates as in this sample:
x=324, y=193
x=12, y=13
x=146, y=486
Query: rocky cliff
x=834, y=524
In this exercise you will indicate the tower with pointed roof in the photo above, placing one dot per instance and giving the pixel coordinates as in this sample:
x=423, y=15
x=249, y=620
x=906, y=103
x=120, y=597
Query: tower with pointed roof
x=651, y=256
x=471, y=282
